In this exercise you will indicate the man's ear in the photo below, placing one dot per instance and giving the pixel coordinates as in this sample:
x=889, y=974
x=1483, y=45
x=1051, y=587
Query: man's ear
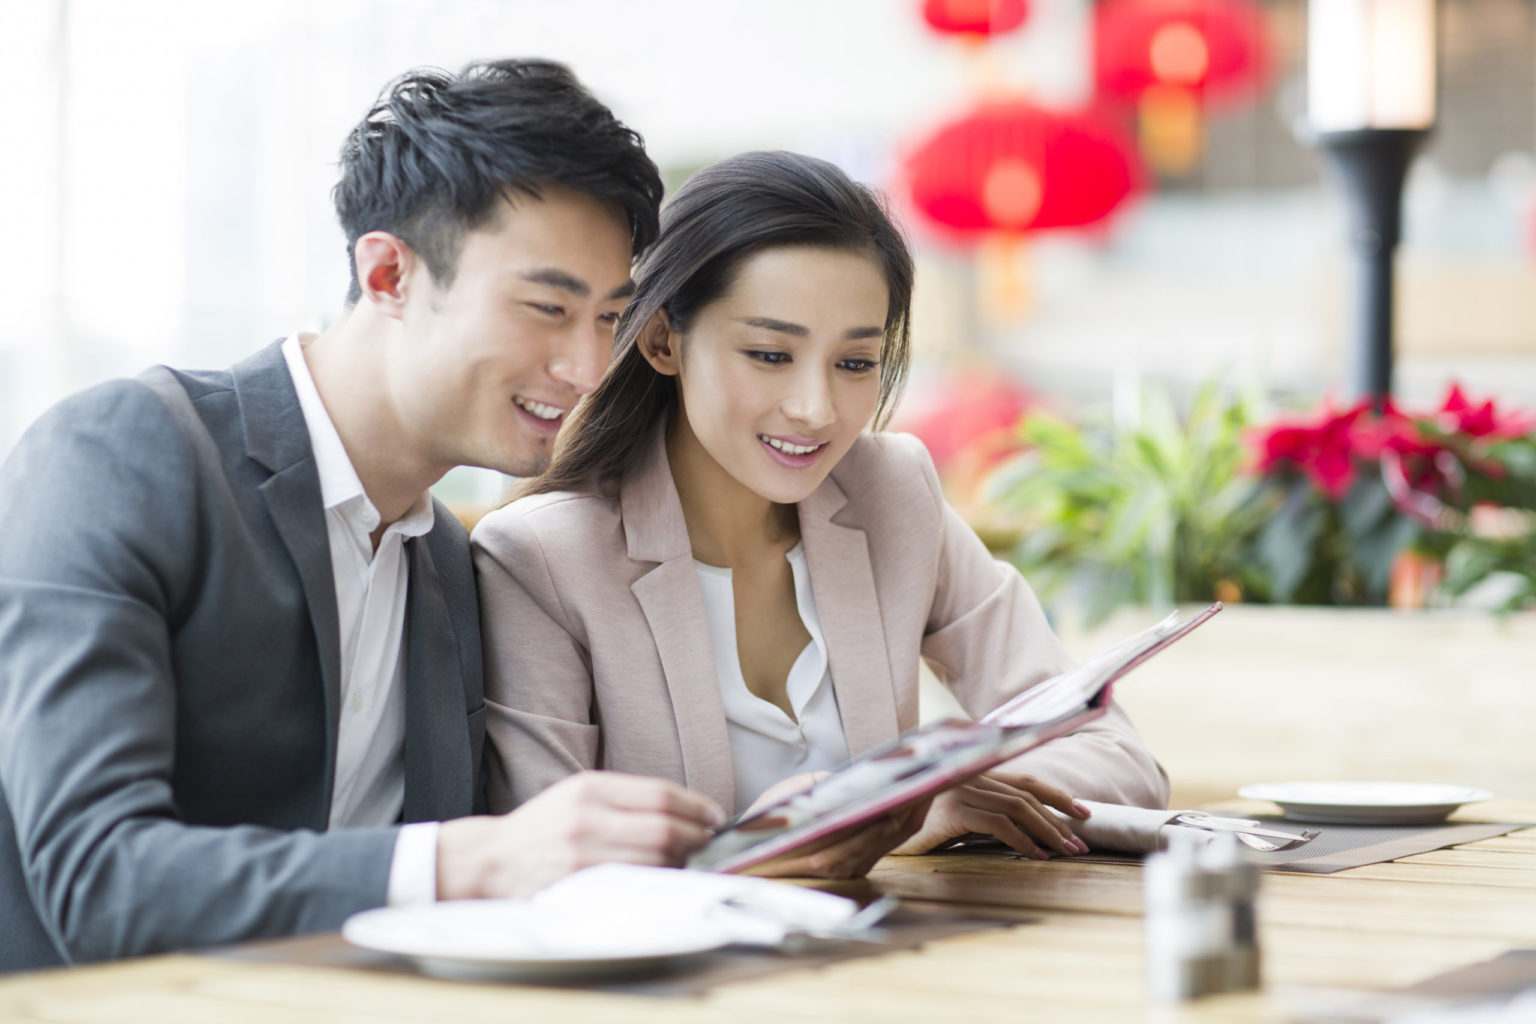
x=661, y=345
x=385, y=269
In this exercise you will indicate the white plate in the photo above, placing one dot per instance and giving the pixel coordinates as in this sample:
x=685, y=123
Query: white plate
x=509, y=940
x=1365, y=803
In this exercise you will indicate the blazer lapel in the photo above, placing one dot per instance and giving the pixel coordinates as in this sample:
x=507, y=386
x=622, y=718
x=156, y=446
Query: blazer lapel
x=277, y=439
x=439, y=775
x=669, y=596
x=849, y=609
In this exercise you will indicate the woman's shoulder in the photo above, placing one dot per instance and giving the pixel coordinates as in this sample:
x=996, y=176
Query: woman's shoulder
x=554, y=520
x=888, y=467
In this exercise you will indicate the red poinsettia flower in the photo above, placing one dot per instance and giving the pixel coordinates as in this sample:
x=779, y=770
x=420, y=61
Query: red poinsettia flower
x=1460, y=415
x=1324, y=445
x=1417, y=468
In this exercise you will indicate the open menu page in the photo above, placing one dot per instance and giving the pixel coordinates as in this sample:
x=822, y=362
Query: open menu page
x=937, y=756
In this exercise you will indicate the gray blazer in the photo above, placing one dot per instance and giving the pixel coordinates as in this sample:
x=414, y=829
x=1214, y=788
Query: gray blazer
x=170, y=673
x=598, y=656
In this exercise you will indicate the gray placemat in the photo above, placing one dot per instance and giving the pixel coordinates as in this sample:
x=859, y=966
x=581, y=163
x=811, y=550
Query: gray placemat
x=1335, y=848
x=1351, y=846
x=908, y=927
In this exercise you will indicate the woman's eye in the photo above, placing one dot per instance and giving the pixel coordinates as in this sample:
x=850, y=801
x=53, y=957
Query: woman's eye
x=858, y=365
x=771, y=358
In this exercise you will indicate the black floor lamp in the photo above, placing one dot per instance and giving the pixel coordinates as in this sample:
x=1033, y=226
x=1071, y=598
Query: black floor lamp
x=1371, y=103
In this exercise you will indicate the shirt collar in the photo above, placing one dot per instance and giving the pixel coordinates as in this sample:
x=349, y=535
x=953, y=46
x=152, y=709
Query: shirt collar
x=340, y=487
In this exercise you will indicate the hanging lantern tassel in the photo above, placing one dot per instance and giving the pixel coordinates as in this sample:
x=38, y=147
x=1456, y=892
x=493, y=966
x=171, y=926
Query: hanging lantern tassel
x=1011, y=194
x=1004, y=293
x=1170, y=128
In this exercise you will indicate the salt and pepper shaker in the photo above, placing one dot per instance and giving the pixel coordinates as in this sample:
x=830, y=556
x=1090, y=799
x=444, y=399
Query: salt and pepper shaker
x=1201, y=927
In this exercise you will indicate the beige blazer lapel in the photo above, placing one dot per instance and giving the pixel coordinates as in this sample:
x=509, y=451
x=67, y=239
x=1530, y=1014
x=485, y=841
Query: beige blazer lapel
x=849, y=609
x=673, y=604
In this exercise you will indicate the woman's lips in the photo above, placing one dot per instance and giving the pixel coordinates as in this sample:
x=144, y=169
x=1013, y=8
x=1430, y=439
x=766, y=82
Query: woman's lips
x=792, y=452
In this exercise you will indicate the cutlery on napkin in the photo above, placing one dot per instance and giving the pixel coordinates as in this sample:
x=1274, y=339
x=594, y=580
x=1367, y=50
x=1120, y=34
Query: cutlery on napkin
x=1118, y=828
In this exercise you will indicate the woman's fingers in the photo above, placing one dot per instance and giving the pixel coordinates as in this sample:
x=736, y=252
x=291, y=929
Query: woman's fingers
x=851, y=852
x=1025, y=811
x=1051, y=796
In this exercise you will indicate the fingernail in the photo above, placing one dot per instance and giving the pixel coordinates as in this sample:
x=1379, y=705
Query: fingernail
x=1081, y=846
x=1081, y=809
x=1040, y=854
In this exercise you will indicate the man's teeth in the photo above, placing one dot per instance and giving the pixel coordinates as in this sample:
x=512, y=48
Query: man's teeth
x=539, y=409
x=787, y=448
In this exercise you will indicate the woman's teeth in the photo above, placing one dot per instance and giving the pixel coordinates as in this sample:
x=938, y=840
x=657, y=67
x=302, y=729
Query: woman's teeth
x=786, y=447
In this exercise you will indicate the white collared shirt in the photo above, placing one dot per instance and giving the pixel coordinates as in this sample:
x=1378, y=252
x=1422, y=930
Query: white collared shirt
x=369, y=786
x=768, y=745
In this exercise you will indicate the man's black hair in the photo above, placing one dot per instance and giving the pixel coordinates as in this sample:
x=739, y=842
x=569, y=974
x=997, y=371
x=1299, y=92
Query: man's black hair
x=437, y=152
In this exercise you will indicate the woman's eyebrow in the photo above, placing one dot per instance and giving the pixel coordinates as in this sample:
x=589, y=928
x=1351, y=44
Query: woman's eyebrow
x=768, y=323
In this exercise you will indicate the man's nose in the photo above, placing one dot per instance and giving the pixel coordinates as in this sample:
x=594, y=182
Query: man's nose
x=582, y=357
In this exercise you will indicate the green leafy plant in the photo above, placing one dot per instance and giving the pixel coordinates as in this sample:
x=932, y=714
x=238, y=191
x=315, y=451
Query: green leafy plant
x=1151, y=512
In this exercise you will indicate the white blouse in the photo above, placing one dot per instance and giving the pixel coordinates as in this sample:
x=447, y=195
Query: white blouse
x=766, y=744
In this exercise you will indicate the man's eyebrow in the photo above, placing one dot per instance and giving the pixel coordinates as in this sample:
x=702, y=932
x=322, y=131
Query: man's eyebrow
x=785, y=327
x=557, y=278
x=623, y=291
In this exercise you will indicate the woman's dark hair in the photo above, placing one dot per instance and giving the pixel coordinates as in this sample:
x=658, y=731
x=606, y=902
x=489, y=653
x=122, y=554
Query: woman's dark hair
x=438, y=151
x=720, y=217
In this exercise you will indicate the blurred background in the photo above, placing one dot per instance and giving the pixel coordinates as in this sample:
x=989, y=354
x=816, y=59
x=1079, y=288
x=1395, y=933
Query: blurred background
x=1111, y=206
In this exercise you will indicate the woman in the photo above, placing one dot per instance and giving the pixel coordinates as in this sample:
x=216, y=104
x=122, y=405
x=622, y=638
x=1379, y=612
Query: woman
x=725, y=579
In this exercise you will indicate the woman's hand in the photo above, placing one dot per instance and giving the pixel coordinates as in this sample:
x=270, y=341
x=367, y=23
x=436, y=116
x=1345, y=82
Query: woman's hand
x=1011, y=806
x=848, y=853
x=851, y=852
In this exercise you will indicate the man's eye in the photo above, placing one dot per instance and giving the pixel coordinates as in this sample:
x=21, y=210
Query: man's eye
x=858, y=365
x=611, y=319
x=771, y=358
x=547, y=309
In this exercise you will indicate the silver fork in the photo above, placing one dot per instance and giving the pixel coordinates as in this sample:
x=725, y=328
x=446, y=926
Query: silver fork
x=1250, y=833
x=1270, y=846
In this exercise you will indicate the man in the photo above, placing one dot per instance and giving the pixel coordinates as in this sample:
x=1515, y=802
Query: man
x=239, y=643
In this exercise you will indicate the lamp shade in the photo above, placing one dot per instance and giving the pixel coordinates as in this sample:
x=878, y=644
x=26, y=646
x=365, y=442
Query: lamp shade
x=1012, y=166
x=1370, y=64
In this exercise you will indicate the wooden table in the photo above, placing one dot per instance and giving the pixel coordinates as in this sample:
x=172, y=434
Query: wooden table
x=1327, y=939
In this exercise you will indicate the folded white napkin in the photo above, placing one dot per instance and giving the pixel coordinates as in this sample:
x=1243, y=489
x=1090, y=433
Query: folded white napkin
x=751, y=911
x=1118, y=828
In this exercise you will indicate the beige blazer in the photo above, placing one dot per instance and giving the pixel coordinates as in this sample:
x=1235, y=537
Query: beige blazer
x=598, y=656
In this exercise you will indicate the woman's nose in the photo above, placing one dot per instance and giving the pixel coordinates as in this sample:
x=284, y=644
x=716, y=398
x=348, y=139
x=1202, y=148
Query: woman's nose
x=810, y=402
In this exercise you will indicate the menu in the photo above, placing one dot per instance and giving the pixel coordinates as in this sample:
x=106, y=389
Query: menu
x=930, y=759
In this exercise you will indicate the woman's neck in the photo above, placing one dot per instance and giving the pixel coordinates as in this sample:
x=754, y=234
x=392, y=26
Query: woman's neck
x=729, y=524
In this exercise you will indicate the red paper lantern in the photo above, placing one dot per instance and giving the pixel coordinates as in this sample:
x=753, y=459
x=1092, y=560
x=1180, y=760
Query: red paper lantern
x=975, y=17
x=1013, y=166
x=1216, y=48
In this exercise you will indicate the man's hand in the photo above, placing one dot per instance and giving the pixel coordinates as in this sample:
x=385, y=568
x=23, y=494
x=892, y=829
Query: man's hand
x=1008, y=805
x=589, y=818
